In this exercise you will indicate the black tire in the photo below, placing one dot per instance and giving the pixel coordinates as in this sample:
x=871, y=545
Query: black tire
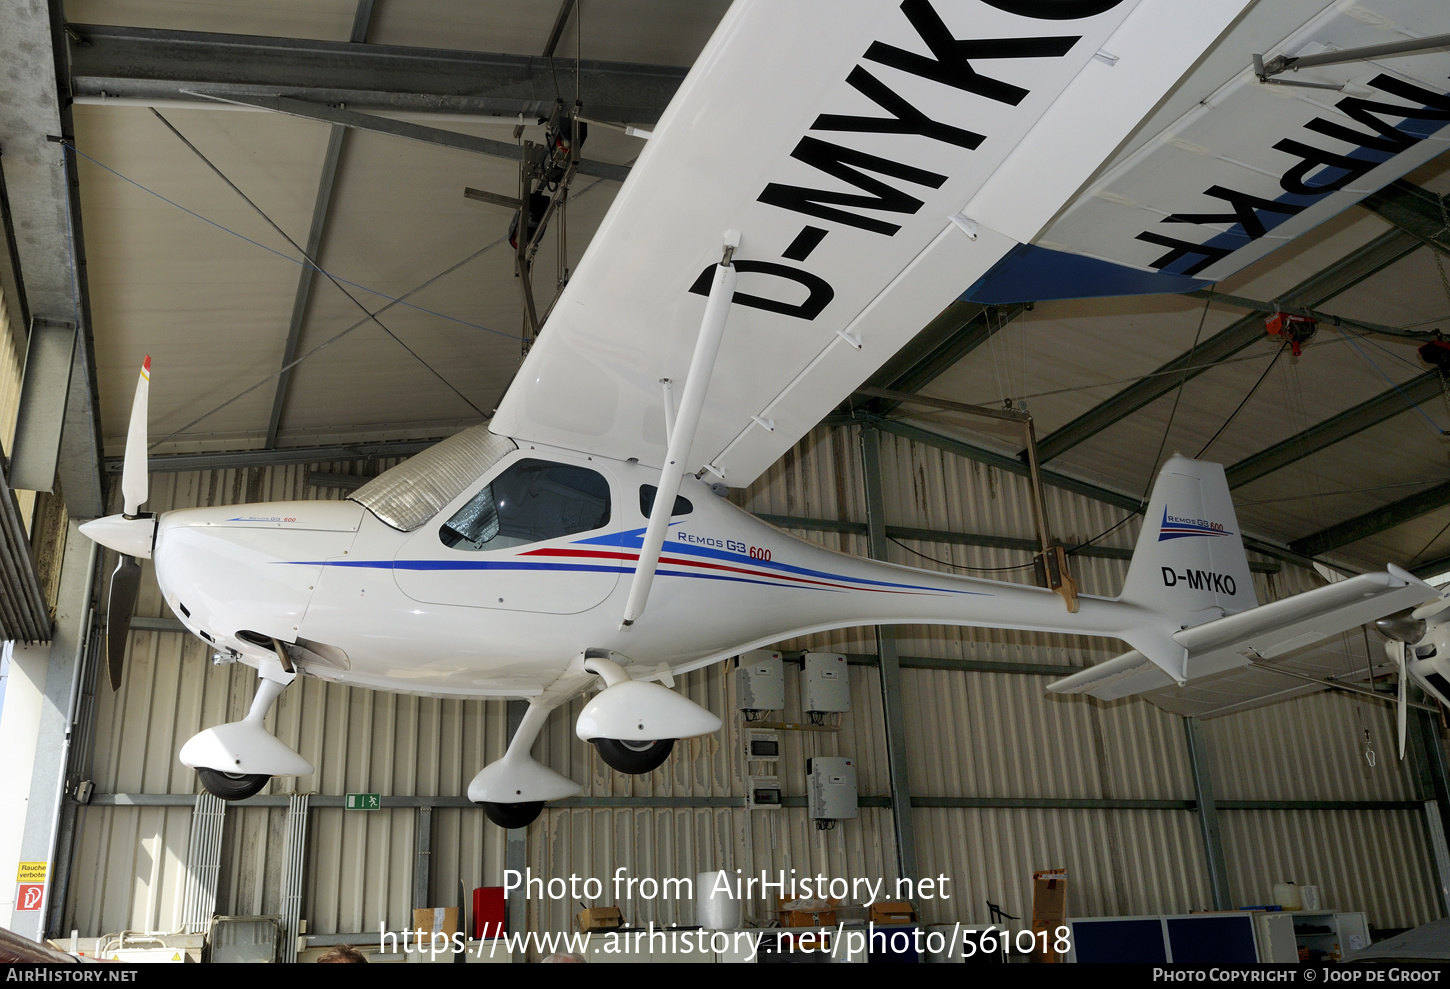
x=513, y=815
x=231, y=786
x=634, y=758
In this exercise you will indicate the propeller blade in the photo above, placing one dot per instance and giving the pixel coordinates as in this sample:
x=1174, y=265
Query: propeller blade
x=1432, y=608
x=1397, y=652
x=125, y=586
x=134, y=487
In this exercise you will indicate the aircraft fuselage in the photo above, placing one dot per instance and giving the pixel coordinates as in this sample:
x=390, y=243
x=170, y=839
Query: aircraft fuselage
x=358, y=601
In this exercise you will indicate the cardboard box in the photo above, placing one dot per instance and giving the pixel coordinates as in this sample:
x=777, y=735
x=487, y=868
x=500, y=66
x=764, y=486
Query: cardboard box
x=1049, y=910
x=436, y=920
x=821, y=916
x=894, y=912
x=600, y=919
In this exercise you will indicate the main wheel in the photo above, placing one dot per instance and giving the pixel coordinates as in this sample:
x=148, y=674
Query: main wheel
x=634, y=758
x=513, y=815
x=231, y=786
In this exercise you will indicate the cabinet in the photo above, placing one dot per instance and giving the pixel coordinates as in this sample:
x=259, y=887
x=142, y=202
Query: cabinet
x=1324, y=935
x=1336, y=935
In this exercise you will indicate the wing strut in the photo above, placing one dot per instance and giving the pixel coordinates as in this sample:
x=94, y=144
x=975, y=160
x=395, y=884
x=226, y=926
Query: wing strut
x=682, y=433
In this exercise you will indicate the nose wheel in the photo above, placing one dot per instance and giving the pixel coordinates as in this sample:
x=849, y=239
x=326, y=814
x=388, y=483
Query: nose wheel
x=231, y=786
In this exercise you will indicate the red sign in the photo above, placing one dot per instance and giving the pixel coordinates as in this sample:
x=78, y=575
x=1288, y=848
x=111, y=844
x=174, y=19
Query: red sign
x=28, y=896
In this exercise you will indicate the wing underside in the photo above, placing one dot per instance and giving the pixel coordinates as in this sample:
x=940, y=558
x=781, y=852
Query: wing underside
x=881, y=158
x=854, y=145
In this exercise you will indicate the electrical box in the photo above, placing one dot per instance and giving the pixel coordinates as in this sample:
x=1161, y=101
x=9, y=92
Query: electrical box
x=762, y=746
x=760, y=681
x=831, y=789
x=763, y=793
x=244, y=939
x=827, y=684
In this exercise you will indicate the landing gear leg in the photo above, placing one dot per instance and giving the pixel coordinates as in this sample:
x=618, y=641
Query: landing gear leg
x=512, y=790
x=235, y=761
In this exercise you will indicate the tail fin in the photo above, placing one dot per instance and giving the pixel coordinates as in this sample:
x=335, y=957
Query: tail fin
x=1189, y=565
x=1192, y=596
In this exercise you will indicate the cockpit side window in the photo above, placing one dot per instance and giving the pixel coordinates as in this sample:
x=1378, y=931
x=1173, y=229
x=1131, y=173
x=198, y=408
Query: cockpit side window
x=647, y=494
x=532, y=501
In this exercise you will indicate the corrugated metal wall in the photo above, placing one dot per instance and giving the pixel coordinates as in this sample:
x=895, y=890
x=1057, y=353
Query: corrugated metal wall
x=973, y=735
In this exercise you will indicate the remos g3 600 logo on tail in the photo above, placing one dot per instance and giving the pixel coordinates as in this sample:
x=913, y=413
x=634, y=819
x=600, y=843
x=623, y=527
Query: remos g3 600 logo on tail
x=1178, y=528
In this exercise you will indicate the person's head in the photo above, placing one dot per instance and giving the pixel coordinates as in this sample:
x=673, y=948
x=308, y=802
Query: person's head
x=563, y=958
x=344, y=954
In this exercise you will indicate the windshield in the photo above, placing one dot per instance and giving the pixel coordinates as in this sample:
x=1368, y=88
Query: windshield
x=420, y=487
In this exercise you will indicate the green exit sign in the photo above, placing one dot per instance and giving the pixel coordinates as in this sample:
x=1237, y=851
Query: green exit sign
x=364, y=801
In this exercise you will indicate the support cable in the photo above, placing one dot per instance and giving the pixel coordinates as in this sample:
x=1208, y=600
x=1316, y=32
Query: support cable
x=1241, y=405
x=313, y=262
x=360, y=323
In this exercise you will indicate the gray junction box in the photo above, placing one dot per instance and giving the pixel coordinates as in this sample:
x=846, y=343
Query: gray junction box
x=827, y=687
x=831, y=788
x=760, y=681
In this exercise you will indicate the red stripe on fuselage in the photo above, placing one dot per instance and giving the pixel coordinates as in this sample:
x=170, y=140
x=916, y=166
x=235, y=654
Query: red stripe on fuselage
x=680, y=562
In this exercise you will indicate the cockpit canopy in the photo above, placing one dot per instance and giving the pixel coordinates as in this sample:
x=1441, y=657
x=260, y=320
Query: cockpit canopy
x=410, y=494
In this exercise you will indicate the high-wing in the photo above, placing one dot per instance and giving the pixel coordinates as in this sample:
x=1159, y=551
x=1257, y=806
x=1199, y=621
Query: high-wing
x=1231, y=167
x=880, y=159
x=877, y=158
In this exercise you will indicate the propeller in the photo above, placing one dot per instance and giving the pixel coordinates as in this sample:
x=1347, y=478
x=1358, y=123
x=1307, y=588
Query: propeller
x=1396, y=649
x=134, y=481
x=130, y=534
x=1405, y=631
x=125, y=586
x=1432, y=608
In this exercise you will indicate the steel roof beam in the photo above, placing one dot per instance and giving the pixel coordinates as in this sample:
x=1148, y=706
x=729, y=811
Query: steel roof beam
x=149, y=65
x=1378, y=254
x=1423, y=215
x=1373, y=522
x=305, y=278
x=362, y=18
x=402, y=128
x=561, y=20
x=1259, y=306
x=1013, y=465
x=1433, y=568
x=1418, y=212
x=1385, y=405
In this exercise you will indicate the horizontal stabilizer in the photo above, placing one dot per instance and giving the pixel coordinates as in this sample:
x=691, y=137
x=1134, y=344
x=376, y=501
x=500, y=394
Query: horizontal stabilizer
x=1281, y=627
x=1263, y=633
x=1122, y=676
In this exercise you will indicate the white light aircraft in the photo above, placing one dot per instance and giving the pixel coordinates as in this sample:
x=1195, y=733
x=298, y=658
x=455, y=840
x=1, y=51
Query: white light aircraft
x=828, y=178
